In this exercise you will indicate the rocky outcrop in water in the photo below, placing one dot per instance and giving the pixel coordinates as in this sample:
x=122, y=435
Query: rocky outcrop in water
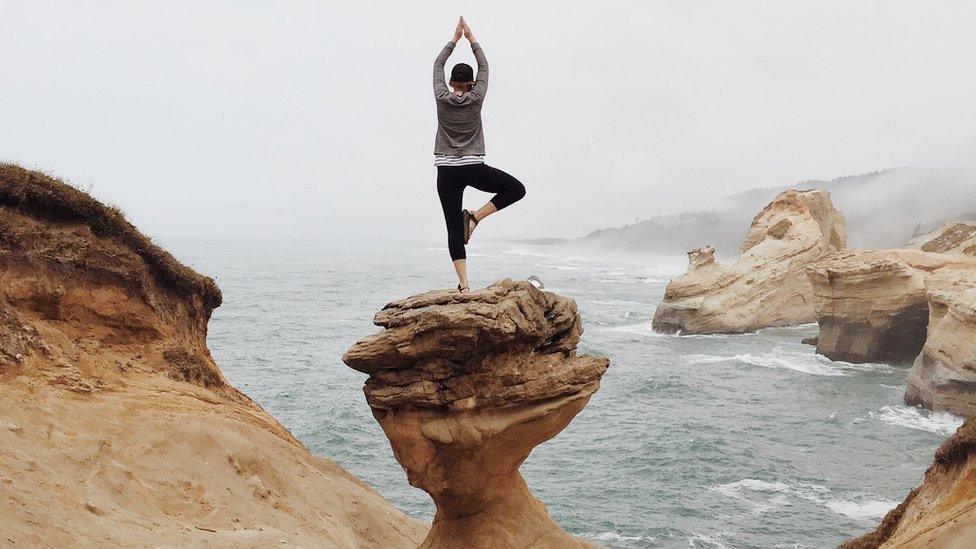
x=942, y=511
x=870, y=305
x=873, y=305
x=465, y=386
x=117, y=428
x=943, y=376
x=768, y=285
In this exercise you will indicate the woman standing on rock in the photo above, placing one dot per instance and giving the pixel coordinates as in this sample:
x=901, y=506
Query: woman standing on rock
x=459, y=150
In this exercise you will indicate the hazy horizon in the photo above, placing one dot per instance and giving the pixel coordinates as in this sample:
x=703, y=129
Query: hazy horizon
x=312, y=121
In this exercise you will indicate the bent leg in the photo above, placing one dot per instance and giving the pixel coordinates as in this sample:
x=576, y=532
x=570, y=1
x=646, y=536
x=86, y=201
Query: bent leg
x=507, y=189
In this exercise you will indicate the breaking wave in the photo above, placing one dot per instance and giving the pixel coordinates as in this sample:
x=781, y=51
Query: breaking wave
x=765, y=496
x=941, y=423
x=807, y=363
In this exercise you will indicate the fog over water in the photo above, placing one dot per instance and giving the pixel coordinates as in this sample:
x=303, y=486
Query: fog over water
x=286, y=149
x=315, y=119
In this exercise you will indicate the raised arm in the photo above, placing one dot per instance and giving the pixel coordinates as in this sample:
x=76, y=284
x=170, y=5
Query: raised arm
x=481, y=80
x=440, y=88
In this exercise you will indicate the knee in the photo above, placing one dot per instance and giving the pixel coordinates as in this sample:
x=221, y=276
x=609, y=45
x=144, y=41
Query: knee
x=518, y=193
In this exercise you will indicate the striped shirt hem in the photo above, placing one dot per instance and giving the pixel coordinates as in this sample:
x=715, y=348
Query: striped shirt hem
x=466, y=160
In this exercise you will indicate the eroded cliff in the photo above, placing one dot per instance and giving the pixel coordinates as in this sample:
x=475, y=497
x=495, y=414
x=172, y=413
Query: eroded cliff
x=954, y=237
x=873, y=305
x=116, y=426
x=943, y=376
x=465, y=386
x=767, y=286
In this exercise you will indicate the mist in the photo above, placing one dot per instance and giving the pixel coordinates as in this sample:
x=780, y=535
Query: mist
x=310, y=119
x=883, y=209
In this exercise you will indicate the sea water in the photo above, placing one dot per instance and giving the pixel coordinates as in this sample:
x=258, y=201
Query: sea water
x=692, y=441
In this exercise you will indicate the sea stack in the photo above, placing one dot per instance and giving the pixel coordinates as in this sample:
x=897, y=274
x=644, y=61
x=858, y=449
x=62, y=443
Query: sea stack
x=465, y=386
x=767, y=286
x=873, y=305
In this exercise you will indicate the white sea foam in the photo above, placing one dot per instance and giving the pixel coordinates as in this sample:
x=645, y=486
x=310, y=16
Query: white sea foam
x=644, y=329
x=641, y=329
x=766, y=496
x=633, y=280
x=942, y=423
x=559, y=267
x=804, y=362
x=799, y=363
x=706, y=541
x=763, y=496
x=612, y=536
x=870, y=510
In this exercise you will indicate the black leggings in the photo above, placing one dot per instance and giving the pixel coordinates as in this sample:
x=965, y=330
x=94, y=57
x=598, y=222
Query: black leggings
x=451, y=181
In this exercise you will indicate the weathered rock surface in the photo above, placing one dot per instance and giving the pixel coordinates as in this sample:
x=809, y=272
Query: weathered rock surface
x=768, y=285
x=873, y=305
x=117, y=428
x=954, y=238
x=942, y=511
x=465, y=386
x=943, y=376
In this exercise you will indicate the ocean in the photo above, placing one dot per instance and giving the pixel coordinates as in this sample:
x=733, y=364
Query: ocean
x=692, y=441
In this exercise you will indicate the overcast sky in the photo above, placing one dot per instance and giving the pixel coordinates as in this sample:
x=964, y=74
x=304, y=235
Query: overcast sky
x=316, y=119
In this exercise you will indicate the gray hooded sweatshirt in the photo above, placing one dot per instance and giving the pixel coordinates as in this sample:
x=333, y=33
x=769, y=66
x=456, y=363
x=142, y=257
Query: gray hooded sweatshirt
x=459, y=116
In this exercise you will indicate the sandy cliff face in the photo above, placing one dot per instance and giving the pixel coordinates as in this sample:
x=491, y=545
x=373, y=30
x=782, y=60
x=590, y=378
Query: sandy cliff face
x=955, y=237
x=943, y=376
x=767, y=286
x=465, y=386
x=873, y=305
x=942, y=511
x=116, y=426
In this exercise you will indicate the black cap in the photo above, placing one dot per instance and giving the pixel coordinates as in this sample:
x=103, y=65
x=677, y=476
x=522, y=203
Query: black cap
x=462, y=72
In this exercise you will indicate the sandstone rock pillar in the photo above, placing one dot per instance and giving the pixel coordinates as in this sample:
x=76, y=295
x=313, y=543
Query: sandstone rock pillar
x=465, y=386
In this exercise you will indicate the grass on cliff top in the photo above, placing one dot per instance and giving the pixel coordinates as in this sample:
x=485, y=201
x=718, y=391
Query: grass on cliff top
x=42, y=196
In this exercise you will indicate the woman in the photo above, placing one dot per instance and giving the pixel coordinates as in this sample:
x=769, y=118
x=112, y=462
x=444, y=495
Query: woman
x=459, y=150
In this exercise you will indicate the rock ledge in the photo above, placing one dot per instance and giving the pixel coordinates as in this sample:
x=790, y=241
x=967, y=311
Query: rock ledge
x=465, y=386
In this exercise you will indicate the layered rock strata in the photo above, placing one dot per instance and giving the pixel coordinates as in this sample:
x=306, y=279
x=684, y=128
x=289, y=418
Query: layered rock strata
x=465, y=386
x=943, y=376
x=767, y=286
x=873, y=305
x=117, y=428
